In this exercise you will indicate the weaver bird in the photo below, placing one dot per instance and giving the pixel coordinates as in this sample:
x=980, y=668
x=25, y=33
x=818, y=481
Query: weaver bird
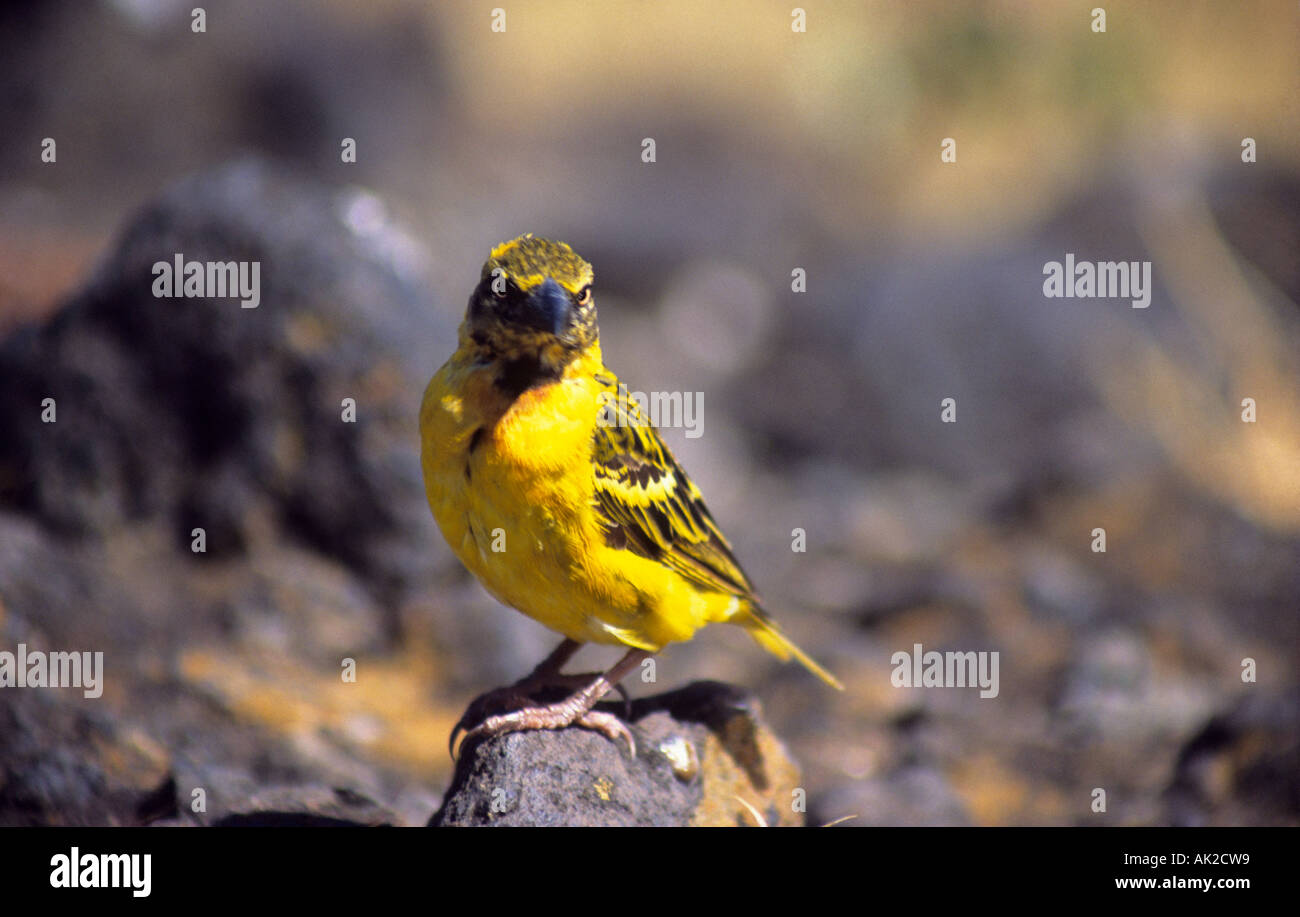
x=563, y=499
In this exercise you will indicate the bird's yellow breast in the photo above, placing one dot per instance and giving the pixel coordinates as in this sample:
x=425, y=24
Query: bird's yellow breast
x=511, y=485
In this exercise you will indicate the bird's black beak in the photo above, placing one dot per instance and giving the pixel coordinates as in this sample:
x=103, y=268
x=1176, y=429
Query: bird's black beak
x=548, y=308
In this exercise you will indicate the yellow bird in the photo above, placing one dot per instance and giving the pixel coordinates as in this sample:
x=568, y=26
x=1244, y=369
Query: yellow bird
x=562, y=498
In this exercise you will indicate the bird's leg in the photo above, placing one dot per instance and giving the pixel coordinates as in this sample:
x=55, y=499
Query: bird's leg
x=574, y=710
x=520, y=694
x=547, y=674
x=549, y=667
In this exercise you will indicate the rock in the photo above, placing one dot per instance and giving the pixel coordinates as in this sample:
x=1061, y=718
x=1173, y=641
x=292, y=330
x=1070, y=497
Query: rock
x=1243, y=767
x=1115, y=689
x=202, y=414
x=913, y=794
x=309, y=806
x=176, y=414
x=704, y=758
x=61, y=764
x=1058, y=588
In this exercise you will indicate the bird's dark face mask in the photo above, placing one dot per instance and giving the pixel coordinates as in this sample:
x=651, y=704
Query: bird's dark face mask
x=533, y=310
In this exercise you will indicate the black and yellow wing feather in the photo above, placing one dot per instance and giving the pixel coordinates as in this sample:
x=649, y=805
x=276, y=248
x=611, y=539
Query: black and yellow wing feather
x=650, y=507
x=648, y=504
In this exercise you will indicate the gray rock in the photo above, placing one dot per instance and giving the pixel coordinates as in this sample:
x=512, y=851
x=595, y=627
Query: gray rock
x=312, y=806
x=701, y=750
x=201, y=413
x=1243, y=767
x=909, y=796
x=64, y=764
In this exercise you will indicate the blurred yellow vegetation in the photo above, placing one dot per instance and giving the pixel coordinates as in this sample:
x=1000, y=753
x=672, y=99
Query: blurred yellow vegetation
x=1191, y=405
x=387, y=713
x=1027, y=89
x=996, y=796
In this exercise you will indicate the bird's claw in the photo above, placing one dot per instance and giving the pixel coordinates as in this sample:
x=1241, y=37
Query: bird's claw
x=518, y=698
x=555, y=716
x=481, y=708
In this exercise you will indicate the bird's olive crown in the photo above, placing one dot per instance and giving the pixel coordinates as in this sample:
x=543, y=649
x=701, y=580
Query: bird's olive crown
x=533, y=295
x=528, y=260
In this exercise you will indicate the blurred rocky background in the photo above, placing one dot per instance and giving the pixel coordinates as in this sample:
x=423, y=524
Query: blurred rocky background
x=774, y=150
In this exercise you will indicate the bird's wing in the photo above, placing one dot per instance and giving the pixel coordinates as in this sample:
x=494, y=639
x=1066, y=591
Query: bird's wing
x=648, y=504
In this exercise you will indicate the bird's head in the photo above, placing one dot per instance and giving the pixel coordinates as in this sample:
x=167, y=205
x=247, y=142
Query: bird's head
x=533, y=305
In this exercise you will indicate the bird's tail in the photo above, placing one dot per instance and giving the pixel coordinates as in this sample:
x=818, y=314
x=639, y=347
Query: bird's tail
x=763, y=629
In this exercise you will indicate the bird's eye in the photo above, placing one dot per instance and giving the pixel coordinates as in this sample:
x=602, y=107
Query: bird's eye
x=584, y=295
